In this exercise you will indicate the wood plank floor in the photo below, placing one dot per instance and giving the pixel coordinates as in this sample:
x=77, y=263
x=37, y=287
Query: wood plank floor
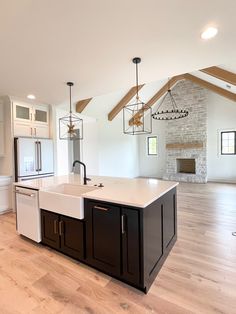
x=199, y=276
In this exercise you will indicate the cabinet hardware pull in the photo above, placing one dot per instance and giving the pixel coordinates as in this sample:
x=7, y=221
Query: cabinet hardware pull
x=40, y=156
x=122, y=224
x=61, y=228
x=31, y=131
x=101, y=208
x=55, y=226
x=26, y=194
x=35, y=131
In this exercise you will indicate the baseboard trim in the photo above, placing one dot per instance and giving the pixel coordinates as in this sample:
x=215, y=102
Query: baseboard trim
x=6, y=211
x=221, y=181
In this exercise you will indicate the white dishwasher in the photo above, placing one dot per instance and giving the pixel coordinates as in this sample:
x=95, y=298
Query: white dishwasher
x=28, y=213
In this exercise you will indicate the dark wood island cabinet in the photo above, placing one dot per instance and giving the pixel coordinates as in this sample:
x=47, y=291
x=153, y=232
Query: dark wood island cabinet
x=126, y=242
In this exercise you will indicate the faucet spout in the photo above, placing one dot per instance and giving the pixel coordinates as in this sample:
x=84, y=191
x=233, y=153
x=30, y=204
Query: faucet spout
x=85, y=179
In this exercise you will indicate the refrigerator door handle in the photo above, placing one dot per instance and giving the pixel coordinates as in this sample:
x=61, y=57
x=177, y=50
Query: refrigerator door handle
x=36, y=156
x=40, y=156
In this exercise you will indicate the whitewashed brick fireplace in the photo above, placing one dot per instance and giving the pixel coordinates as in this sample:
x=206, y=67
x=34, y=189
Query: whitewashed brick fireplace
x=186, y=138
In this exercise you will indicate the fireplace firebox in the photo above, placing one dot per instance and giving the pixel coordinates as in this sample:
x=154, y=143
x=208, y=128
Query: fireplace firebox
x=186, y=165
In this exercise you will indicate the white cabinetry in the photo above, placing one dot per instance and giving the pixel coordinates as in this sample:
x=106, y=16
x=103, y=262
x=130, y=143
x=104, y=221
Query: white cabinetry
x=31, y=120
x=2, y=132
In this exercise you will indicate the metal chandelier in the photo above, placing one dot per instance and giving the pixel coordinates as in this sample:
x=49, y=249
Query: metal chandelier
x=137, y=116
x=169, y=114
x=70, y=126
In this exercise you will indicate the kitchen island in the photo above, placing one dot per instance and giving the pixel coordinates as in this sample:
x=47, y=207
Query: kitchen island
x=125, y=227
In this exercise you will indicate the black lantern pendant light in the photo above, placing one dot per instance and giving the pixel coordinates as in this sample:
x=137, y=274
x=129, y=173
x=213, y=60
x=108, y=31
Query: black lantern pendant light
x=137, y=116
x=169, y=114
x=70, y=126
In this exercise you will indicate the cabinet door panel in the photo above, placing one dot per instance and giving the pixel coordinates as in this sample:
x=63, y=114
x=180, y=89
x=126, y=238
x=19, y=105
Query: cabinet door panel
x=22, y=112
x=22, y=129
x=72, y=237
x=50, y=231
x=153, y=237
x=46, y=158
x=41, y=131
x=103, y=236
x=169, y=219
x=41, y=114
x=131, y=245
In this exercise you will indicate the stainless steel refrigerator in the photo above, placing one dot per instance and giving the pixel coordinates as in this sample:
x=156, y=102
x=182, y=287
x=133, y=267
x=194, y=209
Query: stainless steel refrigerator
x=33, y=158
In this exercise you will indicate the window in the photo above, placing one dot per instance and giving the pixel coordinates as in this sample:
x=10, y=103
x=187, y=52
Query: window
x=228, y=143
x=152, y=145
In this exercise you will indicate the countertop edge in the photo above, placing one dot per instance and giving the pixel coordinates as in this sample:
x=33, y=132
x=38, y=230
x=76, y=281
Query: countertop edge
x=97, y=198
x=89, y=195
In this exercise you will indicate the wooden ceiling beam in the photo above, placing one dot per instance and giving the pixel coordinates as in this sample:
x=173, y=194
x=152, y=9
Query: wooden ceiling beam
x=221, y=74
x=159, y=94
x=82, y=104
x=164, y=90
x=123, y=102
x=216, y=89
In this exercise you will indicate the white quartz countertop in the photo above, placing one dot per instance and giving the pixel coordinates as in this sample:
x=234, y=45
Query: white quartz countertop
x=138, y=192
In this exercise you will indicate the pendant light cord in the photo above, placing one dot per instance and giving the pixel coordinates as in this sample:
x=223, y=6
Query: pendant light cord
x=70, y=100
x=137, y=95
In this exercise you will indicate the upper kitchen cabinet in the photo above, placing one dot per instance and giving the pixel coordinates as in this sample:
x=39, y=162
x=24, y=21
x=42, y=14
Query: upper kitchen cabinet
x=31, y=120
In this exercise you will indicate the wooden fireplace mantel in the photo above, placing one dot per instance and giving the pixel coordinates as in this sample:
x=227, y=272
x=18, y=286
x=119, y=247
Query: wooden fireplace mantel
x=184, y=145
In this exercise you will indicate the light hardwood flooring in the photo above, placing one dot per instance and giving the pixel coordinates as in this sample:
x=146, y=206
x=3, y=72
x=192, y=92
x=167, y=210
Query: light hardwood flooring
x=199, y=276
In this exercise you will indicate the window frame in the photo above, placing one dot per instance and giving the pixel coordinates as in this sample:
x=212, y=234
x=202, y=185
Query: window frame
x=221, y=143
x=148, y=137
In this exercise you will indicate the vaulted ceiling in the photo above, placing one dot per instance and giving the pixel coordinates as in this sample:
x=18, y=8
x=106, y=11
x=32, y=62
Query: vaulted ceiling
x=46, y=43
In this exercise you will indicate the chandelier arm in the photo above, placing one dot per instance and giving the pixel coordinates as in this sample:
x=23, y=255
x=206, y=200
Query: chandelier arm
x=159, y=107
x=173, y=102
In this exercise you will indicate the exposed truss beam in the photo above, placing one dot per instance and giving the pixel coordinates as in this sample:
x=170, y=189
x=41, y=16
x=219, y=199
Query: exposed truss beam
x=82, y=104
x=164, y=89
x=221, y=74
x=159, y=94
x=123, y=102
x=216, y=89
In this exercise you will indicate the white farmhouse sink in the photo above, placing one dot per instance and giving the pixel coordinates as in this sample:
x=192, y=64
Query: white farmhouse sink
x=65, y=199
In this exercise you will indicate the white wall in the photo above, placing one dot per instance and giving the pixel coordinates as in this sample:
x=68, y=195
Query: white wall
x=118, y=153
x=153, y=166
x=221, y=116
x=115, y=153
x=61, y=157
x=107, y=151
x=90, y=146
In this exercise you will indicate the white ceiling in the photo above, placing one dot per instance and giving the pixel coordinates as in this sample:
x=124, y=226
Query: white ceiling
x=48, y=42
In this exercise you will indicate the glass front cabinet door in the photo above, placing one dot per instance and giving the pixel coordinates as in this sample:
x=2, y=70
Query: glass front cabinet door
x=22, y=112
x=31, y=120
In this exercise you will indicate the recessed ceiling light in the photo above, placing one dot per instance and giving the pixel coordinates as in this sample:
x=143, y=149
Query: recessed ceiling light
x=209, y=33
x=31, y=96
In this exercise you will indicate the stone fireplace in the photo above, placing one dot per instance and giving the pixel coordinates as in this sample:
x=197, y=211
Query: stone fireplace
x=186, y=137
